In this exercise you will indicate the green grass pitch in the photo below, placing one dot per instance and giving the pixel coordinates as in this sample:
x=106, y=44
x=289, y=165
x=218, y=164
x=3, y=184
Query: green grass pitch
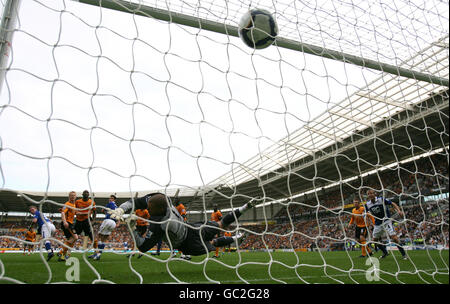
x=231, y=268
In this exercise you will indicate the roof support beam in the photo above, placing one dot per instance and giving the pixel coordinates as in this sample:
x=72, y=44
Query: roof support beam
x=387, y=101
x=351, y=118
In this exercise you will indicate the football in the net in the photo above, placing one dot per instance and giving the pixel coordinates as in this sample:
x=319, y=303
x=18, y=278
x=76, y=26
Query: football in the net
x=258, y=28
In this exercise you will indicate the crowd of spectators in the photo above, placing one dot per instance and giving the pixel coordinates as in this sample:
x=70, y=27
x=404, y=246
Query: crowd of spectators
x=412, y=180
x=424, y=223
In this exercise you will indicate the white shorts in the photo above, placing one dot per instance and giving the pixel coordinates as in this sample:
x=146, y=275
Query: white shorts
x=379, y=230
x=47, y=230
x=107, y=227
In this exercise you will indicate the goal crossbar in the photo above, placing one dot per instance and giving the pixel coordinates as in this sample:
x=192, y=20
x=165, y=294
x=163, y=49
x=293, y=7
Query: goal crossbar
x=209, y=25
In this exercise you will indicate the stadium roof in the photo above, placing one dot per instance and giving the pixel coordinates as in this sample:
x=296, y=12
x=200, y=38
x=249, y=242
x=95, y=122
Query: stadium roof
x=381, y=99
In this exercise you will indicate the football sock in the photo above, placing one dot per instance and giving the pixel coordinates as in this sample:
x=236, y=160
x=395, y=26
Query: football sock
x=229, y=218
x=217, y=251
x=64, y=249
x=101, y=246
x=48, y=247
x=244, y=208
x=85, y=240
x=158, y=248
x=400, y=248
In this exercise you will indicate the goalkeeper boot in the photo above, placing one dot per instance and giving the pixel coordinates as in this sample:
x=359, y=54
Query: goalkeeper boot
x=253, y=202
x=61, y=258
x=92, y=256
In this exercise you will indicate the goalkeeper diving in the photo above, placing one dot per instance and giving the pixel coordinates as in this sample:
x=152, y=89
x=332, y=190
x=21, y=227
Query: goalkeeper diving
x=168, y=225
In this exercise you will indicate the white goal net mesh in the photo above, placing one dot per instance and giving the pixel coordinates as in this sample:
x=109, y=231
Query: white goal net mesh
x=118, y=101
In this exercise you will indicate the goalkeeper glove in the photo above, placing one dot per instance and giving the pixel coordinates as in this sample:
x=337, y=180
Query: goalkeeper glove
x=131, y=220
x=117, y=214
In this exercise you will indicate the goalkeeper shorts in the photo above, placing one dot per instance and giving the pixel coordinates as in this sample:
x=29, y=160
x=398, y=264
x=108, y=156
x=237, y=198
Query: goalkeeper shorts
x=198, y=241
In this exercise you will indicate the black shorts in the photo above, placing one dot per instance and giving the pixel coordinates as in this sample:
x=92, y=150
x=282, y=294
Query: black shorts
x=67, y=231
x=141, y=229
x=198, y=240
x=83, y=226
x=360, y=231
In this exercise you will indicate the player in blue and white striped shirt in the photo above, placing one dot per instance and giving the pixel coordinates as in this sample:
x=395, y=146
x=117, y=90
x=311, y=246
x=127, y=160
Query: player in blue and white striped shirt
x=379, y=208
x=106, y=228
x=46, y=227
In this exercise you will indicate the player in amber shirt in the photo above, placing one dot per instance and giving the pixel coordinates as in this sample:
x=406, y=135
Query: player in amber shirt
x=216, y=216
x=227, y=234
x=362, y=221
x=181, y=209
x=67, y=225
x=30, y=236
x=85, y=207
x=141, y=224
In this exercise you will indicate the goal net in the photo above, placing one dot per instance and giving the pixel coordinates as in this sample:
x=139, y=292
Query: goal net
x=134, y=97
